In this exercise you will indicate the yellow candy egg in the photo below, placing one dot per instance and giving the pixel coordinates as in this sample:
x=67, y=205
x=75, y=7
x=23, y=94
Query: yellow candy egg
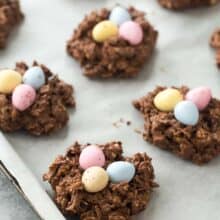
x=9, y=79
x=104, y=30
x=95, y=179
x=167, y=99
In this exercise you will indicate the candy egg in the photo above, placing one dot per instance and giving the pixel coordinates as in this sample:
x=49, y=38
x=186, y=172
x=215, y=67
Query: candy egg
x=121, y=171
x=132, y=32
x=9, y=79
x=119, y=15
x=104, y=30
x=200, y=96
x=167, y=99
x=95, y=179
x=34, y=77
x=23, y=97
x=187, y=113
x=91, y=156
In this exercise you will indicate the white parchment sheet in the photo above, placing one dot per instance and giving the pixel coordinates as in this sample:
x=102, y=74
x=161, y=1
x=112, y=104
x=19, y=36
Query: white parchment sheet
x=183, y=56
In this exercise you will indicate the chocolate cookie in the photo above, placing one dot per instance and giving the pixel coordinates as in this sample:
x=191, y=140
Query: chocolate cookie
x=122, y=53
x=38, y=105
x=10, y=15
x=215, y=43
x=120, y=189
x=184, y=122
x=184, y=4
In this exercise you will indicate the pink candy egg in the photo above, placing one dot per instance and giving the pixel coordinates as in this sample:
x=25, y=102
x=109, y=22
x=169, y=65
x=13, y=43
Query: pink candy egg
x=200, y=96
x=132, y=32
x=23, y=97
x=91, y=156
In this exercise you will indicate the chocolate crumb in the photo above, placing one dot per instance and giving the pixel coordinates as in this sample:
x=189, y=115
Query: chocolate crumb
x=128, y=123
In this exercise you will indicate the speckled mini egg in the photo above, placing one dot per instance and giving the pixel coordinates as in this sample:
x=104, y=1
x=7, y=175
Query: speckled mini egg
x=34, y=77
x=121, y=171
x=104, y=30
x=200, y=96
x=167, y=99
x=23, y=97
x=119, y=15
x=95, y=179
x=132, y=32
x=91, y=156
x=187, y=113
x=9, y=79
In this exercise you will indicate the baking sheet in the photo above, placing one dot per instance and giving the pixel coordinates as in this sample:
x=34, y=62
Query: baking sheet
x=183, y=56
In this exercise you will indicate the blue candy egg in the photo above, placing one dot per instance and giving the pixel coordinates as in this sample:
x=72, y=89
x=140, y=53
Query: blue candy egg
x=119, y=15
x=34, y=77
x=121, y=171
x=187, y=113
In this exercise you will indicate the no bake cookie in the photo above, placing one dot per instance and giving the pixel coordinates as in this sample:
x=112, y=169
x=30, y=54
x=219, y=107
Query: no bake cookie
x=185, y=122
x=184, y=4
x=113, y=43
x=215, y=43
x=10, y=15
x=98, y=182
x=33, y=99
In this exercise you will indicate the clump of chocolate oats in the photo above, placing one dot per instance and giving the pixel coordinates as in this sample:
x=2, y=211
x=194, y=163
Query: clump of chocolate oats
x=116, y=201
x=215, y=43
x=49, y=111
x=184, y=4
x=199, y=143
x=115, y=57
x=10, y=15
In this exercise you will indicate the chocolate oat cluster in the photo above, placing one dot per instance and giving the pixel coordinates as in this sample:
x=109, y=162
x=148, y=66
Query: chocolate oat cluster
x=113, y=43
x=185, y=122
x=10, y=15
x=98, y=182
x=33, y=99
x=184, y=4
x=215, y=43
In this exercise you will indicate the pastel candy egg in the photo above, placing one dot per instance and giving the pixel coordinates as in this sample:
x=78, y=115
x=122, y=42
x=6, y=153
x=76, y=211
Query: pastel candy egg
x=104, y=30
x=121, y=171
x=167, y=99
x=9, y=79
x=132, y=32
x=119, y=15
x=91, y=156
x=187, y=113
x=95, y=179
x=23, y=97
x=34, y=77
x=200, y=96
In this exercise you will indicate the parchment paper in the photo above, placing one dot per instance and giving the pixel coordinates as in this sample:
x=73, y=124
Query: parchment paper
x=183, y=56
